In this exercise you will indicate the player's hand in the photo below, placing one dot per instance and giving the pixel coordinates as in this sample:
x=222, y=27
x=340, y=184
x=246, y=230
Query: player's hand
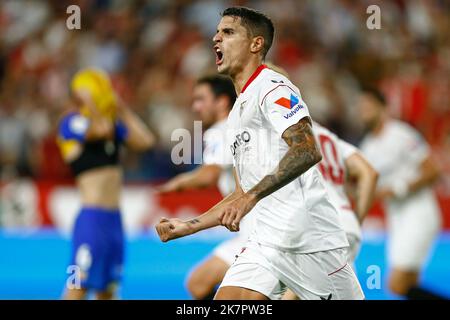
x=169, y=229
x=234, y=211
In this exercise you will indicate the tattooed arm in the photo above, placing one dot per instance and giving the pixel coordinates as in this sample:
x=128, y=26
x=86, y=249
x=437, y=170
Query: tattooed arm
x=301, y=155
x=169, y=229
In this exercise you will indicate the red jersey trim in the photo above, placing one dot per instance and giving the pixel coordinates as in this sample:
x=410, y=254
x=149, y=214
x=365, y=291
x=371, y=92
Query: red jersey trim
x=280, y=85
x=253, y=76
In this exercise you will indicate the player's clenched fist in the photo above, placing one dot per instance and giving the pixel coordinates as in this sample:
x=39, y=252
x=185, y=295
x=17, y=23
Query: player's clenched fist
x=233, y=212
x=169, y=229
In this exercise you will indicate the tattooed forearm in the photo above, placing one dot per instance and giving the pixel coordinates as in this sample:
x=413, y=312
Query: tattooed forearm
x=194, y=221
x=302, y=155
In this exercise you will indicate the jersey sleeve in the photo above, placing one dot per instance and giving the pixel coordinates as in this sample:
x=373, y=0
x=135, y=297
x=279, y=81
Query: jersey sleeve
x=283, y=106
x=346, y=149
x=74, y=127
x=71, y=132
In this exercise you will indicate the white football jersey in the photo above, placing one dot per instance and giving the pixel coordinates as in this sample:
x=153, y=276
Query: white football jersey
x=413, y=222
x=334, y=153
x=215, y=151
x=397, y=153
x=300, y=216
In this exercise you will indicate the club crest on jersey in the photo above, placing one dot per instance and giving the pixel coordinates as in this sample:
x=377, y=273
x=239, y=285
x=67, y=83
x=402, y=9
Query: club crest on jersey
x=292, y=104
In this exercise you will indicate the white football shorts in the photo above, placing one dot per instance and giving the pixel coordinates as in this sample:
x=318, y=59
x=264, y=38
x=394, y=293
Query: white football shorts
x=323, y=275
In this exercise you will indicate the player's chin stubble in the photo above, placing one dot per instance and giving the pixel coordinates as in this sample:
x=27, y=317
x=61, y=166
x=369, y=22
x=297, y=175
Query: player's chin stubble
x=222, y=70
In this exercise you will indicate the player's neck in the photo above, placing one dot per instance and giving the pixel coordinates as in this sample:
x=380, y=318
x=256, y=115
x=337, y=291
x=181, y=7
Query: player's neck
x=241, y=78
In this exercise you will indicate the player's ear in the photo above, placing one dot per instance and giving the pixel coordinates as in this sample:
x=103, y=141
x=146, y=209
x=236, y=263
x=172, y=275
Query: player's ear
x=257, y=44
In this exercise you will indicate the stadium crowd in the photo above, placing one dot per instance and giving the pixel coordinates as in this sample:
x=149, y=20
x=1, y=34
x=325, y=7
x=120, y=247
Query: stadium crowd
x=155, y=50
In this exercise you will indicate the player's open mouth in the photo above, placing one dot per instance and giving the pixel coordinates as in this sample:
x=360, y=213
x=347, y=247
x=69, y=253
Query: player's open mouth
x=219, y=56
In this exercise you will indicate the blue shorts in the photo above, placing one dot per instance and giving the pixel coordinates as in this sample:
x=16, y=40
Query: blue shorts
x=98, y=247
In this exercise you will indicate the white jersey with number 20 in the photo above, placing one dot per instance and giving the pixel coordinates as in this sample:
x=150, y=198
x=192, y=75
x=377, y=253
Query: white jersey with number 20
x=335, y=152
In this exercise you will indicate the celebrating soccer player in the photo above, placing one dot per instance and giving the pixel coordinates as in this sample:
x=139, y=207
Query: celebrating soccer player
x=296, y=237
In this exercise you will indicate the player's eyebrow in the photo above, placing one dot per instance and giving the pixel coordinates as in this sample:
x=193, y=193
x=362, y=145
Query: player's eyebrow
x=225, y=30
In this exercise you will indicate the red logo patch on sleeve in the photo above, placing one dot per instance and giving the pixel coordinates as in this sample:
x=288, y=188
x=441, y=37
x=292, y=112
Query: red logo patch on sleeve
x=284, y=102
x=288, y=103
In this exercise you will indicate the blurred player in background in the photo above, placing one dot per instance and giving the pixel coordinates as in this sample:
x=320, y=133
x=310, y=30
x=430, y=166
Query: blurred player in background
x=89, y=139
x=213, y=99
x=342, y=163
x=296, y=238
x=345, y=170
x=407, y=173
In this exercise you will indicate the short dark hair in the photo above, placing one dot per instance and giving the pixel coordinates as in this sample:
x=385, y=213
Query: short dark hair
x=374, y=93
x=256, y=23
x=220, y=86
